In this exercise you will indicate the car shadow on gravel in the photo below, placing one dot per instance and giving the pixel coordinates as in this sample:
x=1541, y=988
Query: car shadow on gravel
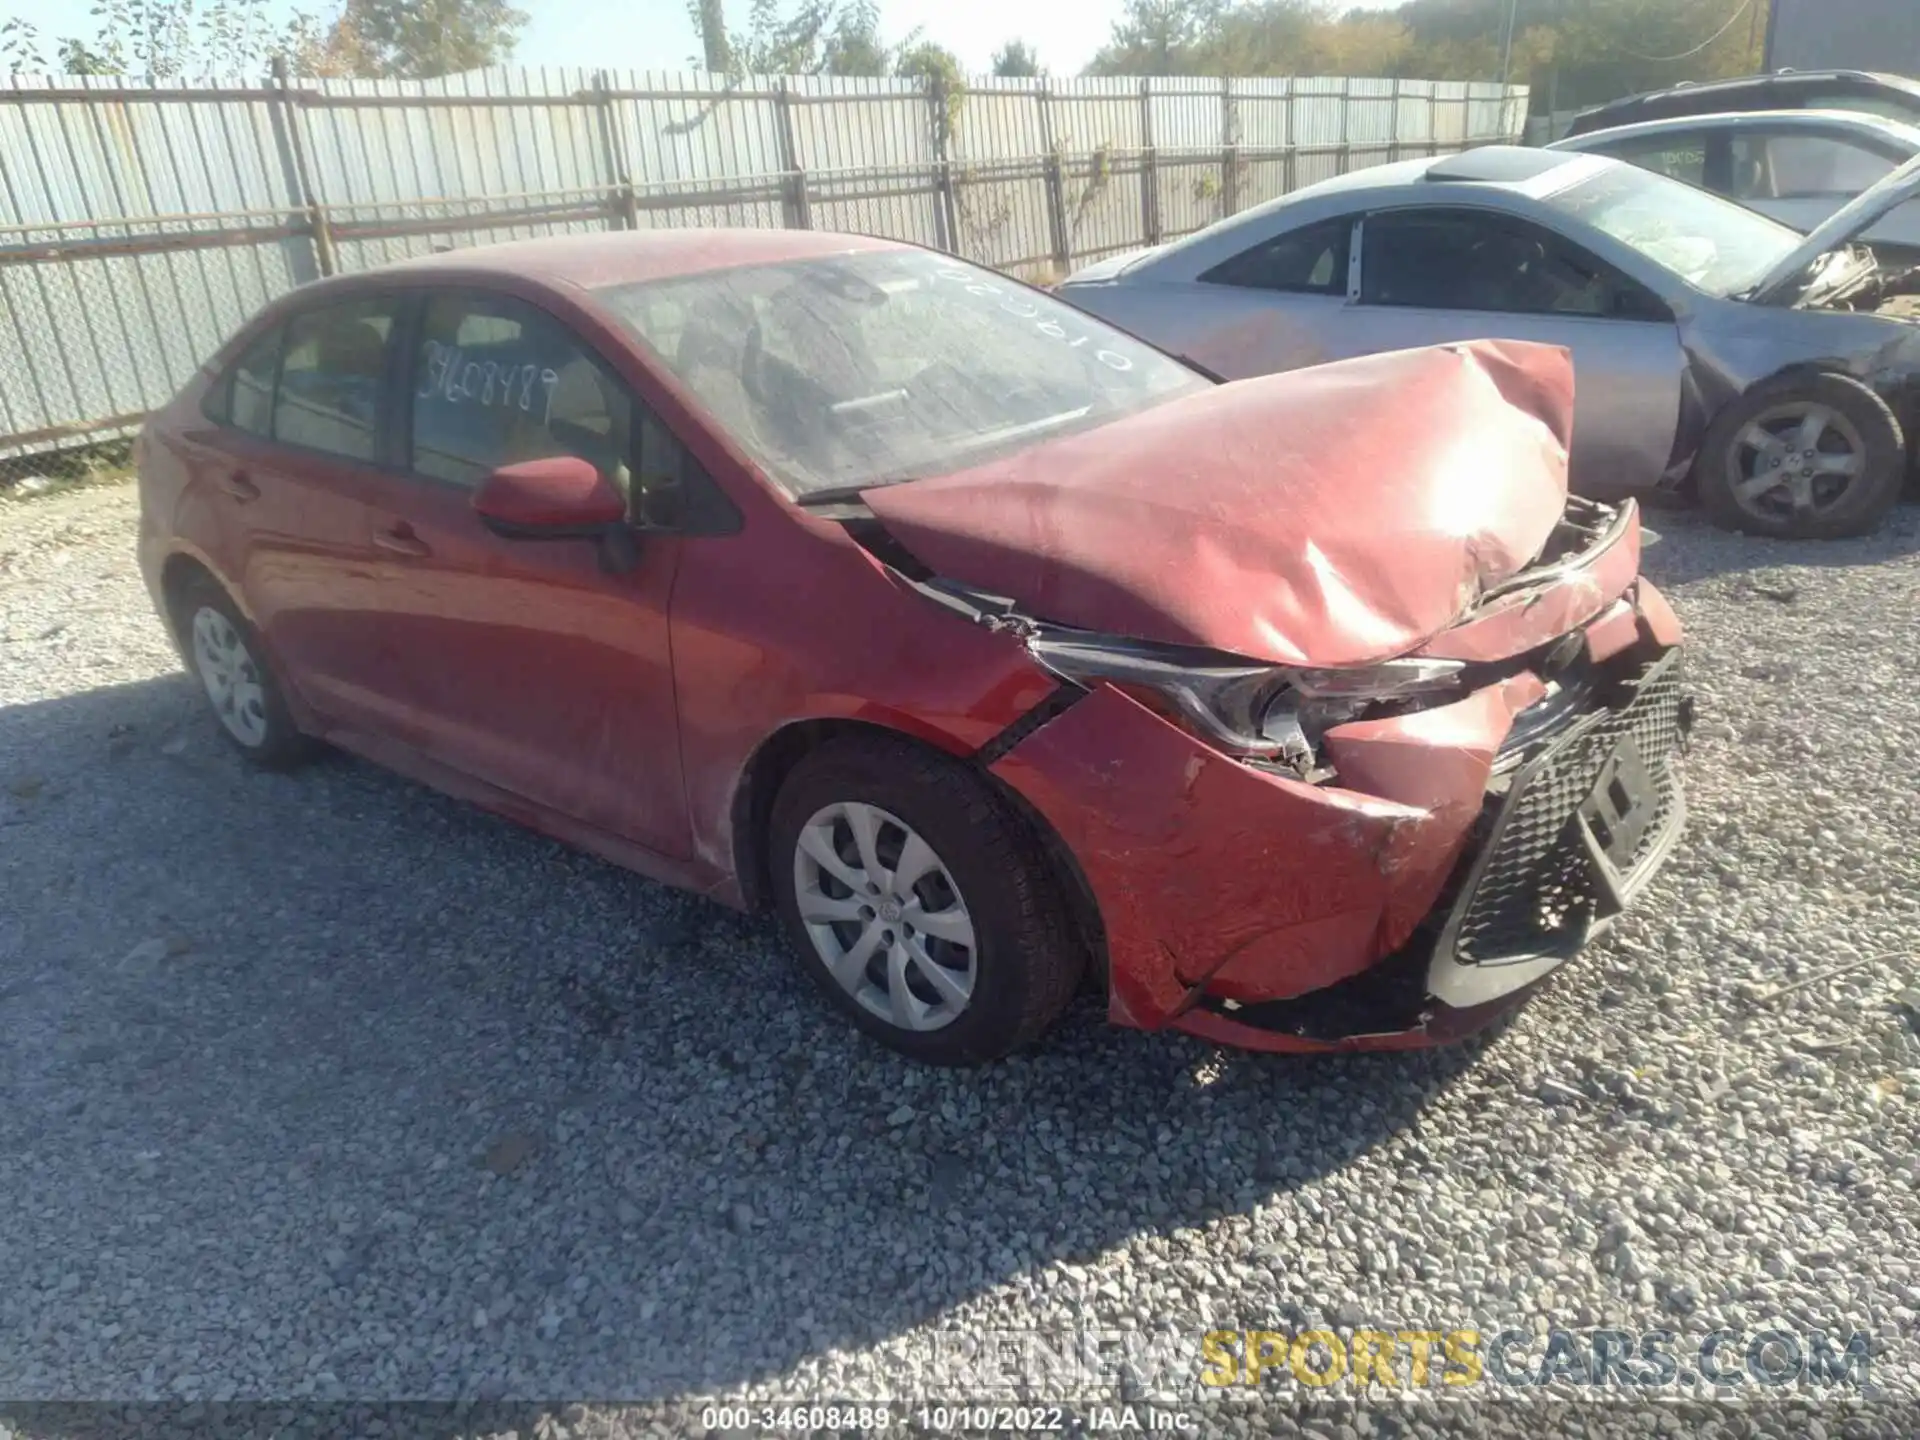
x=324, y=1085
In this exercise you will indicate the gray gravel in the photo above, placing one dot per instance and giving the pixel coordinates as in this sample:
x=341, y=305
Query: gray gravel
x=324, y=1086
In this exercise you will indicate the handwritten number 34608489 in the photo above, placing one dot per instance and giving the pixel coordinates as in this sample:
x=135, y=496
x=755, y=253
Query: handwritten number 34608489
x=451, y=377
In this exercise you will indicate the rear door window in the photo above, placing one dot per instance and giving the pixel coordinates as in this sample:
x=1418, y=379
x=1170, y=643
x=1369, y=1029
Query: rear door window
x=333, y=379
x=248, y=401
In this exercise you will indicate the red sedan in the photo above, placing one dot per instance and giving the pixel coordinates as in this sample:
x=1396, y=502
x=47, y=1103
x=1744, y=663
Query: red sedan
x=985, y=644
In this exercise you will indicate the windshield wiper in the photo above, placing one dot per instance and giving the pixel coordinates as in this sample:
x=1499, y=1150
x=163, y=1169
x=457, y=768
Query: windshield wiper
x=1205, y=372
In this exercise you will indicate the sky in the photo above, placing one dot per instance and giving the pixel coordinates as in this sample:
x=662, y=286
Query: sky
x=1064, y=33
x=659, y=34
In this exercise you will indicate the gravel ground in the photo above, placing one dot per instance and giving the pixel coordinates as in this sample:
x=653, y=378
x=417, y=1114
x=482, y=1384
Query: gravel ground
x=324, y=1086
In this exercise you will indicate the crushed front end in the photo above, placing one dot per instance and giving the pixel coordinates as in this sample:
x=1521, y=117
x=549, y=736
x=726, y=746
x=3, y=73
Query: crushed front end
x=1425, y=860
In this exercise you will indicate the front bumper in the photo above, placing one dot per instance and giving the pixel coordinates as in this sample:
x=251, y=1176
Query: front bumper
x=1263, y=912
x=1566, y=840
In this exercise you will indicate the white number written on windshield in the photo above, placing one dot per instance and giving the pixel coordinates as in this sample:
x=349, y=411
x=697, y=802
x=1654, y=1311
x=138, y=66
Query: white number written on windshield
x=1018, y=304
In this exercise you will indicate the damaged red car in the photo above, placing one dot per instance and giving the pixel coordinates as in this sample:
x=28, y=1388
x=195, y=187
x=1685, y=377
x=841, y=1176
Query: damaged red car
x=991, y=648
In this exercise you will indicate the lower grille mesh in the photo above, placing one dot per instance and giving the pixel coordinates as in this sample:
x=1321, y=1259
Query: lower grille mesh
x=1537, y=880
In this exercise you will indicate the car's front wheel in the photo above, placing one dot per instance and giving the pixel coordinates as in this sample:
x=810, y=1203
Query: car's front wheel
x=920, y=902
x=1809, y=457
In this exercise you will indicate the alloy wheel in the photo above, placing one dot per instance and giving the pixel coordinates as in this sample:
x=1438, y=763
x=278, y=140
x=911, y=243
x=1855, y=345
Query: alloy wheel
x=885, y=916
x=231, y=676
x=1794, y=460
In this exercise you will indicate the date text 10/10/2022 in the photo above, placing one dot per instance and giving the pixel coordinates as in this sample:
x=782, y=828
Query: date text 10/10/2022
x=958, y=1418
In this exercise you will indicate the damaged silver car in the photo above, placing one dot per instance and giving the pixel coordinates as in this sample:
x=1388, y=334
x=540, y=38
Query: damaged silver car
x=1774, y=376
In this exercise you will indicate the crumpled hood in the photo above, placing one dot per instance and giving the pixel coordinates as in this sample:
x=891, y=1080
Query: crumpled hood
x=1843, y=227
x=1336, y=515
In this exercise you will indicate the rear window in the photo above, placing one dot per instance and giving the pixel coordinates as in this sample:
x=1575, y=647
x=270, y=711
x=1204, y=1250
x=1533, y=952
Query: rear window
x=869, y=368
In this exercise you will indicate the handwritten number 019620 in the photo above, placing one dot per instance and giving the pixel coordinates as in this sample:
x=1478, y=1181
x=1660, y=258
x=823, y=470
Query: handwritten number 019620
x=1016, y=304
x=450, y=376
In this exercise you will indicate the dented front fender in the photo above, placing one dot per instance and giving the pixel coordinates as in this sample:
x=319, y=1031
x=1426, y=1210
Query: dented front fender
x=1212, y=872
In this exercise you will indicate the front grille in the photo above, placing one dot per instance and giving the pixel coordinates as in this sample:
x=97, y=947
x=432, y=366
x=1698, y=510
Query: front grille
x=1534, y=892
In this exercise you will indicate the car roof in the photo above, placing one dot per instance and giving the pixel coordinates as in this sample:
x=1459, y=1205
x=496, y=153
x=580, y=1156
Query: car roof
x=1747, y=92
x=626, y=256
x=1835, y=122
x=1525, y=170
x=1504, y=176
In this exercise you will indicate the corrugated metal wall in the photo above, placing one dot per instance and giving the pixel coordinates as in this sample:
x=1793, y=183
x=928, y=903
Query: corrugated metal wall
x=139, y=225
x=1881, y=35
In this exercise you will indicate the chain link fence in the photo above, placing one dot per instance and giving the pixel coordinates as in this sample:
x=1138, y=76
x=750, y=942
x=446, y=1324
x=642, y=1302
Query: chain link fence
x=140, y=225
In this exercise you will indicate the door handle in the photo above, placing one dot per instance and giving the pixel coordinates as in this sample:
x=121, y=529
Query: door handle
x=400, y=539
x=240, y=486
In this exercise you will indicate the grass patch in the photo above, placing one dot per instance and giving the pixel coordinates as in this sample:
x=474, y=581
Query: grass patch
x=54, y=472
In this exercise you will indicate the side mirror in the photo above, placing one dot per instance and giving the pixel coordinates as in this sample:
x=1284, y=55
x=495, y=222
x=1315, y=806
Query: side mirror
x=559, y=498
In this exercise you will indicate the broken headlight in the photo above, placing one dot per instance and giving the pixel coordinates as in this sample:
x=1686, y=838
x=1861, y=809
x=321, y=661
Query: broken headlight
x=1264, y=712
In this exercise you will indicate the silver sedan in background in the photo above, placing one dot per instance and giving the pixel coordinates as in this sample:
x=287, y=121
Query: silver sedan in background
x=1774, y=375
x=1794, y=166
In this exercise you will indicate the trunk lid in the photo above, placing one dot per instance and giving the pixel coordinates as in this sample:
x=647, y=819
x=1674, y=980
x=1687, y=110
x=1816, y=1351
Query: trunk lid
x=1110, y=268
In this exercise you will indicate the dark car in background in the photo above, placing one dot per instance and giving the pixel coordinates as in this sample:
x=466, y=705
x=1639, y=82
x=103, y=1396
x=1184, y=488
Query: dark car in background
x=1892, y=96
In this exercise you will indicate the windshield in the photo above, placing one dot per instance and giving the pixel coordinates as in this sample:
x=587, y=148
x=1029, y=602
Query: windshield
x=1712, y=244
x=888, y=365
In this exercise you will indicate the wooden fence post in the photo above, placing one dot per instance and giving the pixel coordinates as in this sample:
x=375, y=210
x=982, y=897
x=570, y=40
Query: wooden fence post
x=289, y=114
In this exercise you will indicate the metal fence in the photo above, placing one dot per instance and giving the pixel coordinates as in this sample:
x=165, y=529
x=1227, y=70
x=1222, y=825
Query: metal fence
x=140, y=225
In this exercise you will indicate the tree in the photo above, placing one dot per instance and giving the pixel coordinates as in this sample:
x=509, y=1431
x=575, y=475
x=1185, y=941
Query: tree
x=819, y=37
x=228, y=40
x=157, y=40
x=1160, y=37
x=711, y=21
x=76, y=58
x=419, y=39
x=1015, y=60
x=924, y=60
x=1572, y=52
x=853, y=47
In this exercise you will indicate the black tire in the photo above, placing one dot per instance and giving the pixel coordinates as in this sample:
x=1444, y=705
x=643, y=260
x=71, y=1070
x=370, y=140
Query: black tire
x=1026, y=960
x=1867, y=496
x=276, y=742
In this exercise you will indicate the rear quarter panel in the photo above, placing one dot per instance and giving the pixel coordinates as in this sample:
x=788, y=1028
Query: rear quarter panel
x=176, y=516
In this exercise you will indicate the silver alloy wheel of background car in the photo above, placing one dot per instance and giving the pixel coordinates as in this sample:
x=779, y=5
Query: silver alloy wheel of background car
x=884, y=915
x=231, y=676
x=1797, y=458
